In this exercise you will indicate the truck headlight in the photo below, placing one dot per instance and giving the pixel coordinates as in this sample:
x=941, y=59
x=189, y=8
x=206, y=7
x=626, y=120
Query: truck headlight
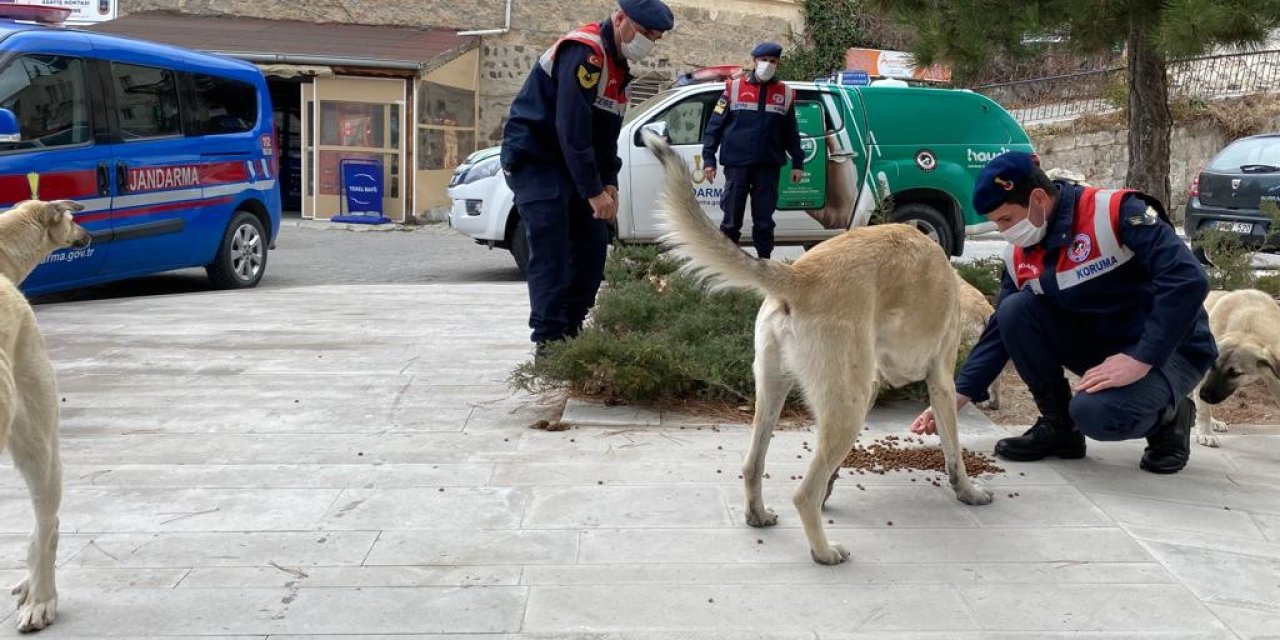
x=483, y=169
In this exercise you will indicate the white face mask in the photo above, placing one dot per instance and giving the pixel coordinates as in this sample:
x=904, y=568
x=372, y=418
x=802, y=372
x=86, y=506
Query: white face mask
x=1025, y=233
x=764, y=70
x=638, y=49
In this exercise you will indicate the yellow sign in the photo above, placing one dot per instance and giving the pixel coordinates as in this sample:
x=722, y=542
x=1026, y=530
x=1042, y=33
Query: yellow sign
x=586, y=78
x=33, y=180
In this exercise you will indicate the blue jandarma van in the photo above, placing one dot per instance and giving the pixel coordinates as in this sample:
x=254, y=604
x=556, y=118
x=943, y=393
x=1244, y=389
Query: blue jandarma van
x=172, y=152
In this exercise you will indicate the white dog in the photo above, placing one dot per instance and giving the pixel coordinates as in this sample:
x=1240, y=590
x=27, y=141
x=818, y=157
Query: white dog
x=840, y=320
x=1246, y=325
x=28, y=393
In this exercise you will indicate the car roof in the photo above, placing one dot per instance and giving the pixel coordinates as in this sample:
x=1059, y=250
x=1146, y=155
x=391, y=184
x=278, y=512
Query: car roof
x=201, y=60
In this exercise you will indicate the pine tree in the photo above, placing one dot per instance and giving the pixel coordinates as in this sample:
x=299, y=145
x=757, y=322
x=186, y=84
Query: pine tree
x=968, y=33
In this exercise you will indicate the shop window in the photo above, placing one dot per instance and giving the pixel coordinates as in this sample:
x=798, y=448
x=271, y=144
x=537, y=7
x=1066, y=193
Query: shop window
x=445, y=106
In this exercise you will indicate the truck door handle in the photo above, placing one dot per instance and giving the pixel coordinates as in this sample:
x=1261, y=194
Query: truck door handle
x=104, y=179
x=122, y=177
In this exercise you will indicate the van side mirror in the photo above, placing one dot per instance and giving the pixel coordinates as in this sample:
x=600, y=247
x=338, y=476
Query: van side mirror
x=9, y=129
x=658, y=129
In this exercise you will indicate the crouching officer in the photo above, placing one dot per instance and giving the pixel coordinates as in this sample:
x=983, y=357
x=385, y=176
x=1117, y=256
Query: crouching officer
x=560, y=157
x=1098, y=283
x=754, y=129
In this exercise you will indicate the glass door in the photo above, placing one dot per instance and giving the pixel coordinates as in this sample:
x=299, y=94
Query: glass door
x=353, y=120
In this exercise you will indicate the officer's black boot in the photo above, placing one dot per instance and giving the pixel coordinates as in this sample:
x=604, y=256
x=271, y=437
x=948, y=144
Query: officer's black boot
x=1169, y=447
x=1052, y=435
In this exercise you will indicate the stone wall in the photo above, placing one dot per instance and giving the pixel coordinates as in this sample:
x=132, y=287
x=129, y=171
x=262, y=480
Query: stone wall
x=1103, y=156
x=707, y=31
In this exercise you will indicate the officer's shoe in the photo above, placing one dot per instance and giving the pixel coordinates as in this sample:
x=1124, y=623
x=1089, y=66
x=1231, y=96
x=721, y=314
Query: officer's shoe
x=1169, y=448
x=1045, y=438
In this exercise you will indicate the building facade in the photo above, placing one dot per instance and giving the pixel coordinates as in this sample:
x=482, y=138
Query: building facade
x=456, y=93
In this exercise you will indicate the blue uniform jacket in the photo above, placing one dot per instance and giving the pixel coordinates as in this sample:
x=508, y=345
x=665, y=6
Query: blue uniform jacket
x=1149, y=308
x=752, y=138
x=553, y=121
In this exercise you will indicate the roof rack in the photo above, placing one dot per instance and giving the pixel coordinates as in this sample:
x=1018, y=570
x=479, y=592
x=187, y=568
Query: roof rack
x=39, y=14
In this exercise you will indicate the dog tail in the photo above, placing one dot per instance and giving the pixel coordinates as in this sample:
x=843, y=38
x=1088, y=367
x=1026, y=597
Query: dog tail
x=691, y=234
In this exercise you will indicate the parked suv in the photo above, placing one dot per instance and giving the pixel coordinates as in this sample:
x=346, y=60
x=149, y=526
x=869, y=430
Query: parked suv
x=911, y=153
x=1230, y=191
x=171, y=152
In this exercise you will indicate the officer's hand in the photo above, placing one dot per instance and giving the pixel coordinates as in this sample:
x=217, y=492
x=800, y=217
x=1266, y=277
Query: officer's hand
x=612, y=191
x=797, y=175
x=604, y=206
x=709, y=173
x=1119, y=370
x=926, y=424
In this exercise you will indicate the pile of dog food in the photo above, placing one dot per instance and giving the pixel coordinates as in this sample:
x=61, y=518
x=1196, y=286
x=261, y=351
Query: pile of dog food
x=894, y=453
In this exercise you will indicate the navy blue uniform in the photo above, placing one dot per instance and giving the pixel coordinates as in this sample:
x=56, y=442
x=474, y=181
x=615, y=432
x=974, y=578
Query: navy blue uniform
x=1150, y=308
x=560, y=148
x=752, y=136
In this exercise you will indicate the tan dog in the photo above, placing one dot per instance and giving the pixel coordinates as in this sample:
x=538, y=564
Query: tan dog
x=840, y=320
x=975, y=312
x=28, y=392
x=1246, y=325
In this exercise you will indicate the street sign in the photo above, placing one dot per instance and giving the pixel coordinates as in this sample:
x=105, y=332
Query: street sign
x=82, y=11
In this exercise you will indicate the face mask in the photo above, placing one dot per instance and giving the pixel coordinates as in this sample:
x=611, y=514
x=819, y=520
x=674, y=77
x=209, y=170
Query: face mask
x=1025, y=233
x=764, y=70
x=638, y=49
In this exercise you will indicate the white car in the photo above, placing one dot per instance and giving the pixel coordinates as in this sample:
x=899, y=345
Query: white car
x=912, y=153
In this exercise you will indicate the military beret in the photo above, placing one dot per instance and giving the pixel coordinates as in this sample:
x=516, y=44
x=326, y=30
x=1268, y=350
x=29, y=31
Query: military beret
x=767, y=49
x=1005, y=173
x=650, y=14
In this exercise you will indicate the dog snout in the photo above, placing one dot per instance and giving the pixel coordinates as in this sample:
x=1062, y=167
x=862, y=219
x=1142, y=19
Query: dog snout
x=82, y=240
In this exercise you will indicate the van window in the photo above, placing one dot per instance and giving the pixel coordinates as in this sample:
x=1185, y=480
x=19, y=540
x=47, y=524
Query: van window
x=146, y=101
x=48, y=95
x=225, y=106
x=687, y=119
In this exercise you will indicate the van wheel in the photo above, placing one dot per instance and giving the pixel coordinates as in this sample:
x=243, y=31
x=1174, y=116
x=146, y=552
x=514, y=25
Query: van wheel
x=1203, y=257
x=930, y=222
x=242, y=256
x=520, y=248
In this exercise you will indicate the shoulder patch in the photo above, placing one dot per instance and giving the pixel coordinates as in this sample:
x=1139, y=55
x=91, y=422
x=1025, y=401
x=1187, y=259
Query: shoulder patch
x=721, y=105
x=588, y=78
x=1144, y=219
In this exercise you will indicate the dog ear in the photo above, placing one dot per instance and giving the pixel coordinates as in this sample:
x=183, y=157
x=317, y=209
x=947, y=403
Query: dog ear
x=51, y=212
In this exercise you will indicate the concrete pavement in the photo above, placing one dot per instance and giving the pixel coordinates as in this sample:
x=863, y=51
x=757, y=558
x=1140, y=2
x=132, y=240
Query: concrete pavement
x=347, y=462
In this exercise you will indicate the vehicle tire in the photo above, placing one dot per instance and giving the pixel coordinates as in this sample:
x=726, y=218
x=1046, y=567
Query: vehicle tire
x=242, y=256
x=520, y=248
x=930, y=222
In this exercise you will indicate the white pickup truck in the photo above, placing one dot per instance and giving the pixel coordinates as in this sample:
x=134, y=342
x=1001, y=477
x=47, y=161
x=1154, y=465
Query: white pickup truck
x=912, y=153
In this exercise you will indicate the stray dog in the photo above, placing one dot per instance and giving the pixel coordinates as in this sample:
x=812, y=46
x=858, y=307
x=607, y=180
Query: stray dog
x=840, y=320
x=28, y=392
x=975, y=312
x=1246, y=325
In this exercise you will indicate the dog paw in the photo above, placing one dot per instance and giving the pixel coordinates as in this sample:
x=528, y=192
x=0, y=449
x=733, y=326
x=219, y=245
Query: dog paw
x=835, y=554
x=762, y=518
x=1207, y=440
x=1218, y=426
x=974, y=494
x=34, y=613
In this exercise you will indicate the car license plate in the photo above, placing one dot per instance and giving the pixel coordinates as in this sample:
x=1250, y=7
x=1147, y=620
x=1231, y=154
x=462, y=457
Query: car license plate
x=1234, y=227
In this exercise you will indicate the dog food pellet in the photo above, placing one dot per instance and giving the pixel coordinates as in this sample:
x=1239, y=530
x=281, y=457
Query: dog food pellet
x=599, y=481
x=759, y=541
x=890, y=523
x=441, y=489
x=360, y=453
x=719, y=471
x=831, y=522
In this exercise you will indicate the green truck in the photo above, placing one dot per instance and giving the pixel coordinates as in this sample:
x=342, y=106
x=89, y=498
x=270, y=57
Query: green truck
x=887, y=153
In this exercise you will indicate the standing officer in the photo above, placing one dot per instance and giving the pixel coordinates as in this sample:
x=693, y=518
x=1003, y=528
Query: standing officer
x=1098, y=283
x=755, y=123
x=560, y=157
